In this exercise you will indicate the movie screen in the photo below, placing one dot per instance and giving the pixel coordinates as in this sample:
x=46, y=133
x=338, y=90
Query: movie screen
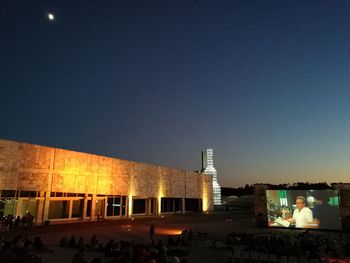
x=303, y=209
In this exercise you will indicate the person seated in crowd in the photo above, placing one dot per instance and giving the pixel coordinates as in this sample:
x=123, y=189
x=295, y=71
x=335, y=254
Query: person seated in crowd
x=93, y=242
x=27, y=220
x=17, y=222
x=39, y=245
x=7, y=254
x=79, y=256
x=64, y=242
x=81, y=243
x=72, y=243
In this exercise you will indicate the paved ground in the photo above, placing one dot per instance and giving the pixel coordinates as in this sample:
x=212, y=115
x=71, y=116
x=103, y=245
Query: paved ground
x=217, y=226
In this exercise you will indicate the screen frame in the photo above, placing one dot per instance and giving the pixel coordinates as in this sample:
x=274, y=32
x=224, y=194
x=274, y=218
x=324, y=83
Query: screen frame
x=318, y=214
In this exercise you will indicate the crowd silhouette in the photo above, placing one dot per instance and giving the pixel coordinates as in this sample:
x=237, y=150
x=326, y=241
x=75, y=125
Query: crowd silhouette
x=289, y=247
x=304, y=247
x=175, y=249
x=10, y=222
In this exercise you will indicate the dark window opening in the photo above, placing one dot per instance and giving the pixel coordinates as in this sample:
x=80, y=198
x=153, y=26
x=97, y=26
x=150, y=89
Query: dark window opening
x=113, y=206
x=193, y=205
x=171, y=205
x=139, y=206
x=77, y=209
x=58, y=209
x=88, y=208
x=8, y=193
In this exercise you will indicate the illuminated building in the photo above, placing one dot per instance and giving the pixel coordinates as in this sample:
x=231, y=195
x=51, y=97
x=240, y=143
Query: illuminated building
x=208, y=168
x=57, y=185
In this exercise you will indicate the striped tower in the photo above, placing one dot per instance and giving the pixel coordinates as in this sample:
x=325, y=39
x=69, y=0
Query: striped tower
x=208, y=168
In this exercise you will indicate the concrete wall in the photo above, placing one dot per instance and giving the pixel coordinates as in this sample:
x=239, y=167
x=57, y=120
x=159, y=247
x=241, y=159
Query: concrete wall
x=38, y=168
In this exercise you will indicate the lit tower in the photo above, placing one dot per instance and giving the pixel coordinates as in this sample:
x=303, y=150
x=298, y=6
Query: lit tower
x=208, y=168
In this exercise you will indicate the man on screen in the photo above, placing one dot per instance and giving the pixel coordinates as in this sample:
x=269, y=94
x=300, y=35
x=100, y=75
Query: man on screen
x=302, y=215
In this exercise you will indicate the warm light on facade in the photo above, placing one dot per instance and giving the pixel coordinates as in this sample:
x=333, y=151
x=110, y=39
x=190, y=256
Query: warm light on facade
x=99, y=182
x=159, y=203
x=205, y=203
x=130, y=206
x=160, y=195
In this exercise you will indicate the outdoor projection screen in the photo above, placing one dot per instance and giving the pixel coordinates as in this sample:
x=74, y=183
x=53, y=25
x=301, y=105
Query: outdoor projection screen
x=303, y=209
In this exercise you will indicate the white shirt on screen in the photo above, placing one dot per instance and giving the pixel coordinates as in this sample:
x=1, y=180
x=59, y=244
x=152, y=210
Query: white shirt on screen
x=303, y=218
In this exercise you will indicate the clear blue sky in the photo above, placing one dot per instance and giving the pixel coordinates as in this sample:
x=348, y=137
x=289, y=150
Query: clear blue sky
x=264, y=83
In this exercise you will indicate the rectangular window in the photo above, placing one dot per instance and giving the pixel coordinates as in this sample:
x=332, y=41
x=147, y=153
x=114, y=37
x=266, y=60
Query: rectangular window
x=178, y=204
x=8, y=193
x=28, y=206
x=27, y=194
x=193, y=204
x=99, y=208
x=116, y=206
x=139, y=206
x=123, y=205
x=110, y=206
x=165, y=205
x=58, y=209
x=8, y=206
x=88, y=209
x=77, y=209
x=113, y=206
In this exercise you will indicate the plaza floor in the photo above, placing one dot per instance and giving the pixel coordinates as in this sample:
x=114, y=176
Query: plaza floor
x=215, y=225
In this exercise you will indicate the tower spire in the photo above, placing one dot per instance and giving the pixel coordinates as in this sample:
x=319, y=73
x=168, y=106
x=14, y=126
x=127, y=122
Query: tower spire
x=208, y=168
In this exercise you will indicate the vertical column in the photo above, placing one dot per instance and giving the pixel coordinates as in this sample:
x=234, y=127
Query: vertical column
x=159, y=206
x=46, y=201
x=39, y=219
x=154, y=205
x=18, y=207
x=104, y=208
x=147, y=206
x=150, y=206
x=124, y=212
x=85, y=206
x=70, y=202
x=93, y=208
x=129, y=205
x=121, y=206
x=183, y=205
x=46, y=206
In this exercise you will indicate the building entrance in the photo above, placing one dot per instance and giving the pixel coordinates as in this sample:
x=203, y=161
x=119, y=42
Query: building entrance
x=100, y=209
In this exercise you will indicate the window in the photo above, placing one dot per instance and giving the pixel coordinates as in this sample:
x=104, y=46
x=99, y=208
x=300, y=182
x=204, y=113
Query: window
x=77, y=209
x=58, y=209
x=139, y=206
x=193, y=204
x=113, y=206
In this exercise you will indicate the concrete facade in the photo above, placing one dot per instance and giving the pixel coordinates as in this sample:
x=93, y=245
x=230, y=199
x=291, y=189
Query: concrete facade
x=47, y=170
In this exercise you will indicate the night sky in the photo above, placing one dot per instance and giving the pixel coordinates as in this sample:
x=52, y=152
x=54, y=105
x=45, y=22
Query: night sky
x=266, y=84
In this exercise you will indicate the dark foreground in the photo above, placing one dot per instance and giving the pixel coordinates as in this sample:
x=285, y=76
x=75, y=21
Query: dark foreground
x=210, y=235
